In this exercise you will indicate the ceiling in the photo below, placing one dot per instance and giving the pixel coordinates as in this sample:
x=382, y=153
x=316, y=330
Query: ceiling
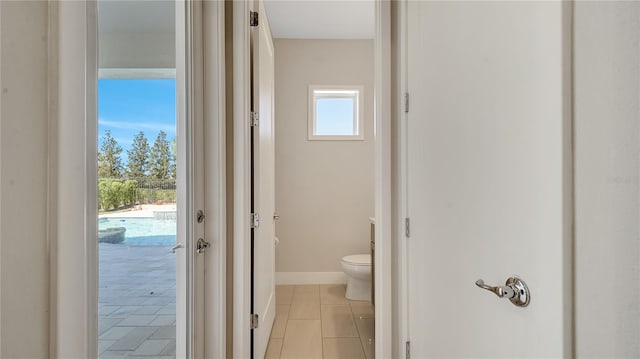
x=321, y=19
x=299, y=19
x=136, y=34
x=140, y=34
x=136, y=16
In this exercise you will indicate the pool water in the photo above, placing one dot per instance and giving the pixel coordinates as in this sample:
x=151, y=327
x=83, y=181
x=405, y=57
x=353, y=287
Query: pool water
x=143, y=231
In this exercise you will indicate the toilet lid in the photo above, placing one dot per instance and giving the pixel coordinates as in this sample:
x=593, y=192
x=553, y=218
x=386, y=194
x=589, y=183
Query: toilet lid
x=358, y=259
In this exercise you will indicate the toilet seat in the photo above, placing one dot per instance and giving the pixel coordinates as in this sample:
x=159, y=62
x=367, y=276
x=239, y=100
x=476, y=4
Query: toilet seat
x=358, y=259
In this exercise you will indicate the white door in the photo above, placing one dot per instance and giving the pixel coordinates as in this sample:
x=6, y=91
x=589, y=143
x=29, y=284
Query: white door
x=486, y=133
x=263, y=250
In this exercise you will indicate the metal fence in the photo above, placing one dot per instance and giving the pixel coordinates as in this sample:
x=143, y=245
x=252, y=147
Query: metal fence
x=147, y=182
x=155, y=183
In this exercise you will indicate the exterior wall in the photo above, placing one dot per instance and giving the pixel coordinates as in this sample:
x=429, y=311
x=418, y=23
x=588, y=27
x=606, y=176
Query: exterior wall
x=324, y=189
x=607, y=186
x=24, y=272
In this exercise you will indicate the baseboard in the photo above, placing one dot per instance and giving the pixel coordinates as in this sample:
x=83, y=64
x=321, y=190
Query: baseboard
x=311, y=278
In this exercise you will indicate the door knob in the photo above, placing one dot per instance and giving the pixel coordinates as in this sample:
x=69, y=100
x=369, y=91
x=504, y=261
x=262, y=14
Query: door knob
x=201, y=246
x=515, y=289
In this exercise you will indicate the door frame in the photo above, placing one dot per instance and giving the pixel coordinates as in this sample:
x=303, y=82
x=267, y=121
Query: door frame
x=215, y=201
x=72, y=161
x=242, y=179
x=400, y=190
x=242, y=173
x=383, y=182
x=72, y=187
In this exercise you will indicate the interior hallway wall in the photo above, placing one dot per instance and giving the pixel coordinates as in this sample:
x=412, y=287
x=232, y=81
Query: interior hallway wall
x=607, y=182
x=324, y=189
x=24, y=263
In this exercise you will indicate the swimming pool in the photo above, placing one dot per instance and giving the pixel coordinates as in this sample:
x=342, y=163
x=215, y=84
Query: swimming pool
x=143, y=231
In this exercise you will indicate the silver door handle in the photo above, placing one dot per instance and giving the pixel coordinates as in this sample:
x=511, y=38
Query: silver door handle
x=201, y=246
x=499, y=291
x=515, y=289
x=173, y=249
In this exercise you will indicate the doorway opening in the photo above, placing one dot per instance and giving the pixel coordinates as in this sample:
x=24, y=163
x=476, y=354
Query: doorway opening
x=331, y=280
x=324, y=169
x=137, y=219
x=181, y=58
x=137, y=180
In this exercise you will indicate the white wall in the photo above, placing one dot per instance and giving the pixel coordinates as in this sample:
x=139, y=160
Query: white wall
x=324, y=189
x=607, y=169
x=24, y=304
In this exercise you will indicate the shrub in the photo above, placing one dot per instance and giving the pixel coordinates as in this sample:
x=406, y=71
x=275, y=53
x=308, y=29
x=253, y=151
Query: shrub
x=109, y=193
x=103, y=188
x=130, y=192
x=115, y=193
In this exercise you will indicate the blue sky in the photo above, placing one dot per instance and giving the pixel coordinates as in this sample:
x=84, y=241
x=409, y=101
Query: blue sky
x=334, y=116
x=126, y=107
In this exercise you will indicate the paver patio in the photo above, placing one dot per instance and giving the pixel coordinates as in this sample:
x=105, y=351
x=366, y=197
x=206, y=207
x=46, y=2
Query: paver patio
x=136, y=304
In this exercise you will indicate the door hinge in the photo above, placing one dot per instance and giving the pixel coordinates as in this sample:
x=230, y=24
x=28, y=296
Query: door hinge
x=407, y=350
x=407, y=227
x=406, y=102
x=255, y=220
x=253, y=18
x=254, y=321
x=254, y=119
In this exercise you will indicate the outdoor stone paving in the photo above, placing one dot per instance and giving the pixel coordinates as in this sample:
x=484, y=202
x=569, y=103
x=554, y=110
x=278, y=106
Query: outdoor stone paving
x=136, y=304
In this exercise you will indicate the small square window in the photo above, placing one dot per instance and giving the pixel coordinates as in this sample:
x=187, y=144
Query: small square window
x=335, y=113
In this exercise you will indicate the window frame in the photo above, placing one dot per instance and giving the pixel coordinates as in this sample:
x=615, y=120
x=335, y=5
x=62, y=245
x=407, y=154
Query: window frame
x=358, y=120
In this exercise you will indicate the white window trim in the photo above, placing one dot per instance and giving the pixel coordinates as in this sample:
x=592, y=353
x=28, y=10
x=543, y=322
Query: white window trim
x=358, y=112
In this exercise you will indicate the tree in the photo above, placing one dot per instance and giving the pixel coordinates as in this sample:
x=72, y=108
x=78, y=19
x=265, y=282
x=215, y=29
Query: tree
x=172, y=167
x=138, y=156
x=109, y=161
x=160, y=158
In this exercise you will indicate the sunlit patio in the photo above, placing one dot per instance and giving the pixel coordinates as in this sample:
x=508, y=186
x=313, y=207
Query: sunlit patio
x=137, y=301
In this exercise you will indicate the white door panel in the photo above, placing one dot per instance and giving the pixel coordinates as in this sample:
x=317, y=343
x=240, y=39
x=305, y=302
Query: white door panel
x=264, y=182
x=485, y=177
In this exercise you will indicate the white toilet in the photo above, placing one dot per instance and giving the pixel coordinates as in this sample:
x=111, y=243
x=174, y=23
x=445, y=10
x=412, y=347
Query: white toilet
x=358, y=268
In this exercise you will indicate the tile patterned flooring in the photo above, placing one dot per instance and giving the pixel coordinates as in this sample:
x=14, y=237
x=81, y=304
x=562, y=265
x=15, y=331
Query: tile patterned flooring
x=137, y=312
x=136, y=304
x=317, y=321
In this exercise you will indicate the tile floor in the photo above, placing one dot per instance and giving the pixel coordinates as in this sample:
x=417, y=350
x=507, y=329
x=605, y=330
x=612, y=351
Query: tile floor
x=317, y=321
x=136, y=304
x=137, y=312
